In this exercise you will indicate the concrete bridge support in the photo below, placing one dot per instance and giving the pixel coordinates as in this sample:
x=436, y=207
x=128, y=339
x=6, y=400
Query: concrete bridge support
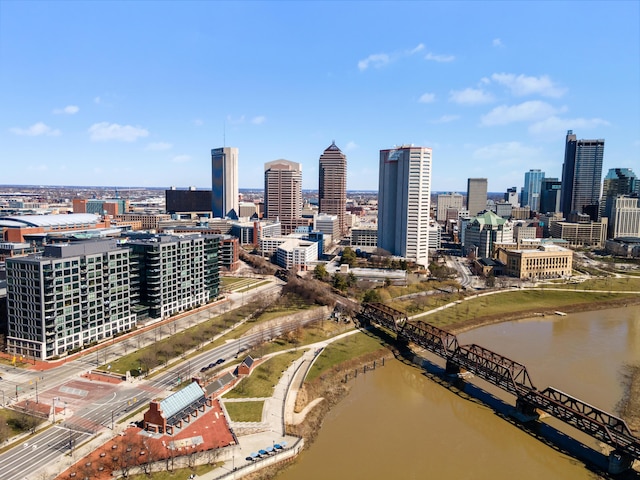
x=619, y=462
x=525, y=412
x=451, y=368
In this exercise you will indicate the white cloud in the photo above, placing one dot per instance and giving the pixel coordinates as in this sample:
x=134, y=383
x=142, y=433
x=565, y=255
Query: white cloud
x=534, y=110
x=417, y=49
x=198, y=122
x=470, y=96
x=376, y=60
x=38, y=168
x=446, y=119
x=497, y=42
x=158, y=146
x=427, y=98
x=507, y=153
x=181, y=158
x=522, y=85
x=555, y=125
x=439, y=58
x=36, y=130
x=105, y=131
x=236, y=120
x=97, y=100
x=351, y=146
x=68, y=110
x=259, y=120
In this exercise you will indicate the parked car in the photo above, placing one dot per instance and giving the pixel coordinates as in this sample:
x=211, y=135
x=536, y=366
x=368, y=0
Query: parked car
x=219, y=361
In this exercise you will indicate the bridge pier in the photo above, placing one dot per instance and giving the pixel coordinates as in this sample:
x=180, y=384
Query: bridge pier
x=451, y=368
x=619, y=462
x=525, y=412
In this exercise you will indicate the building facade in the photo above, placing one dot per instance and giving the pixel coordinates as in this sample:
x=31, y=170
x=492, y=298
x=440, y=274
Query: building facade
x=617, y=181
x=476, y=195
x=445, y=202
x=547, y=261
x=531, y=189
x=483, y=231
x=550, y=195
x=224, y=182
x=190, y=200
x=283, y=194
x=583, y=233
x=332, y=185
x=581, y=174
x=625, y=217
x=404, y=202
x=68, y=297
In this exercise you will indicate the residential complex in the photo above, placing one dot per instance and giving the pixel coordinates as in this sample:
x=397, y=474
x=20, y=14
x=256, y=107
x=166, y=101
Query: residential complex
x=404, y=202
x=68, y=297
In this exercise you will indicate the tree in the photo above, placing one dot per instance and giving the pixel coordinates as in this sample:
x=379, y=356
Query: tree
x=371, y=296
x=340, y=282
x=320, y=272
x=349, y=257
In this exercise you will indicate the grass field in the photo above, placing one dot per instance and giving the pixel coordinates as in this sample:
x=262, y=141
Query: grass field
x=264, y=377
x=518, y=301
x=624, y=284
x=177, y=474
x=245, y=411
x=342, y=350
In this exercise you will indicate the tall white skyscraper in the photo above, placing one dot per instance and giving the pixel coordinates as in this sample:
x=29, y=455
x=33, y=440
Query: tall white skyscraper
x=404, y=197
x=224, y=182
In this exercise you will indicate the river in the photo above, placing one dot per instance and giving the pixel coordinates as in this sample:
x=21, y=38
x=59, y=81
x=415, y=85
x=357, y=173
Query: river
x=398, y=424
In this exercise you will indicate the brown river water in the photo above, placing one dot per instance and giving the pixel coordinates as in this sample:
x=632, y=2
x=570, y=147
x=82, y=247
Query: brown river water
x=397, y=423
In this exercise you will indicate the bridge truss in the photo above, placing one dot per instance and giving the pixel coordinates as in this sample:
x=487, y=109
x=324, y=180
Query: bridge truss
x=508, y=375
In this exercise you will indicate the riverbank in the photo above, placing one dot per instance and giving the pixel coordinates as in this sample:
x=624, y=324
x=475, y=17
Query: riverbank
x=629, y=406
x=471, y=323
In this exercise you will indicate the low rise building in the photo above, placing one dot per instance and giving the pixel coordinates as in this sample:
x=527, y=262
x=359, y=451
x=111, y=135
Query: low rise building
x=547, y=261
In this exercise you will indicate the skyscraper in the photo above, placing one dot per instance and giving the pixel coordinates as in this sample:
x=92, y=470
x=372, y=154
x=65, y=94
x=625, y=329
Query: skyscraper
x=550, y=195
x=404, y=194
x=581, y=173
x=224, y=182
x=332, y=184
x=476, y=195
x=531, y=189
x=283, y=193
x=617, y=182
x=511, y=197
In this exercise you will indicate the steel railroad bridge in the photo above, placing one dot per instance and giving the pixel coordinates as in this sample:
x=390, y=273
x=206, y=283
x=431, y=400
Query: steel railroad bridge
x=512, y=377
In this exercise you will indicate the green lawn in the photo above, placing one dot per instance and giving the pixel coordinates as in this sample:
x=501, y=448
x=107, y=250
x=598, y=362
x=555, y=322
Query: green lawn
x=264, y=377
x=624, y=284
x=515, y=301
x=255, y=285
x=245, y=411
x=343, y=350
x=228, y=281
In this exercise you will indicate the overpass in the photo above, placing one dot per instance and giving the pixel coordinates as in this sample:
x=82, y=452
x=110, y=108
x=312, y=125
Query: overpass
x=513, y=378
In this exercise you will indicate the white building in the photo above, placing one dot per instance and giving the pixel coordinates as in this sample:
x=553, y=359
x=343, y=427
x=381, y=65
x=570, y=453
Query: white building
x=625, y=217
x=329, y=225
x=446, y=201
x=404, y=202
x=296, y=255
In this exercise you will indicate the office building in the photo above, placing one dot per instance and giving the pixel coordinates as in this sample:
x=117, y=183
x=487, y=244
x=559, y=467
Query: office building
x=625, y=217
x=190, y=200
x=550, y=195
x=546, y=261
x=483, y=231
x=283, y=194
x=512, y=197
x=224, y=182
x=332, y=185
x=580, y=231
x=617, y=181
x=476, y=195
x=404, y=197
x=581, y=174
x=445, y=202
x=531, y=189
x=113, y=207
x=67, y=297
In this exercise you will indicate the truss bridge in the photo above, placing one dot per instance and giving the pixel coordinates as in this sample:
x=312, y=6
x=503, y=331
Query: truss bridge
x=513, y=378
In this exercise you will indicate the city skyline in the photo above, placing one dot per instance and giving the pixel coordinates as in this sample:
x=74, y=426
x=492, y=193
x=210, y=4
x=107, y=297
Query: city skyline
x=109, y=101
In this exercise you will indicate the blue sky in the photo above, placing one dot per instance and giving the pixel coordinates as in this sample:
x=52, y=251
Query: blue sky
x=137, y=93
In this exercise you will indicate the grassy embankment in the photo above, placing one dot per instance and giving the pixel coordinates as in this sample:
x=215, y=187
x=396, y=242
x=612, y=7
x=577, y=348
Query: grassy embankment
x=259, y=384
